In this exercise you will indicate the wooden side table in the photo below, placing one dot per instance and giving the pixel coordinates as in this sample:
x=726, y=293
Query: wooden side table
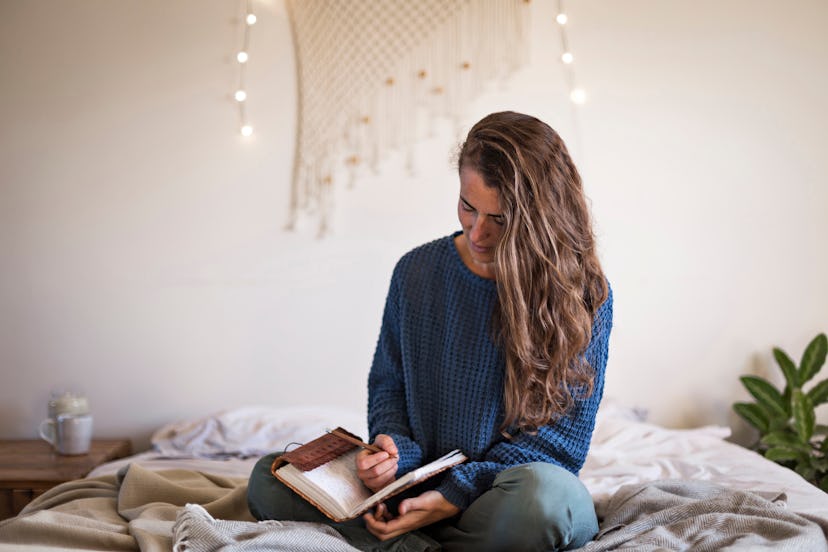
x=29, y=468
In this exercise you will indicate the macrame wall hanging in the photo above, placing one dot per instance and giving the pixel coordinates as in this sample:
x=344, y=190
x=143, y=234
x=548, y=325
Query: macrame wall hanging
x=368, y=69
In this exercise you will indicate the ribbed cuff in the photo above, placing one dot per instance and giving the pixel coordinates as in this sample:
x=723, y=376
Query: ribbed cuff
x=411, y=455
x=454, y=494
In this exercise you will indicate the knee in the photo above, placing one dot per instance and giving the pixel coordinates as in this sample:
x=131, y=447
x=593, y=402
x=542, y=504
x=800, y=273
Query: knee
x=550, y=506
x=261, y=488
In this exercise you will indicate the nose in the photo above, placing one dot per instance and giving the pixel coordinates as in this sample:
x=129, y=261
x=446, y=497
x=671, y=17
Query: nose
x=480, y=229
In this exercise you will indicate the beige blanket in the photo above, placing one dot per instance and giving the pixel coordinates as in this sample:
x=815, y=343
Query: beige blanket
x=135, y=513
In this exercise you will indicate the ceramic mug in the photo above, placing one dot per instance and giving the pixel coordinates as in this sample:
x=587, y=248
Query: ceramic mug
x=69, y=433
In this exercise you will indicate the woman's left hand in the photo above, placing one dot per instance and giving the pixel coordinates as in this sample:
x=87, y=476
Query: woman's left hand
x=414, y=513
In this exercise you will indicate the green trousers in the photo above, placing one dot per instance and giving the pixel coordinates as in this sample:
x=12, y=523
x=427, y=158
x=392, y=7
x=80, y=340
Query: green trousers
x=530, y=507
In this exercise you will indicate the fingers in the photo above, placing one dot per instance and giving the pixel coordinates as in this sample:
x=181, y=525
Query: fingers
x=376, y=465
x=367, y=460
x=414, y=513
x=431, y=501
x=382, y=526
x=376, y=520
x=382, y=512
x=407, y=505
x=386, y=443
x=376, y=470
x=380, y=475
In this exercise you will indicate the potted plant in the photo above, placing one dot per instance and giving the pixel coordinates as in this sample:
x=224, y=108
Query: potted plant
x=786, y=420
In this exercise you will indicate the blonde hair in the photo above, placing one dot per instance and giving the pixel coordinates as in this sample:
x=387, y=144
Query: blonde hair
x=549, y=281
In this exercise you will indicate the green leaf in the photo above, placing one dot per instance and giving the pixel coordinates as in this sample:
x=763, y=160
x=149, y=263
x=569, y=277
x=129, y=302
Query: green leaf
x=786, y=397
x=783, y=439
x=819, y=393
x=813, y=358
x=775, y=423
x=782, y=454
x=823, y=484
x=766, y=394
x=788, y=368
x=804, y=417
x=753, y=414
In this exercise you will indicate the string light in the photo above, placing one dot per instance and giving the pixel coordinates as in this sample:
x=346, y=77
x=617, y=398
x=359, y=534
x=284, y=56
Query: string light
x=242, y=56
x=576, y=94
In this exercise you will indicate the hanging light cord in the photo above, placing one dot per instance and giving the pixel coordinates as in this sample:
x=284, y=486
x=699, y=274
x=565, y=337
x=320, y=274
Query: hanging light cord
x=242, y=57
x=576, y=93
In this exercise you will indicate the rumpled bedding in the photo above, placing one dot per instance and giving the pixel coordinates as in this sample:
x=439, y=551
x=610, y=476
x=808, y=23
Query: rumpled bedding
x=251, y=431
x=663, y=515
x=148, y=511
x=154, y=511
x=134, y=510
x=702, y=516
x=124, y=505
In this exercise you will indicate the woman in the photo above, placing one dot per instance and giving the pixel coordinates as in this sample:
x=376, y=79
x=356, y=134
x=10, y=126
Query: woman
x=494, y=341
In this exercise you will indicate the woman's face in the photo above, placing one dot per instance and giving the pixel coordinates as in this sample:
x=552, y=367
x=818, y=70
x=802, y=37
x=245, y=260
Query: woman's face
x=480, y=216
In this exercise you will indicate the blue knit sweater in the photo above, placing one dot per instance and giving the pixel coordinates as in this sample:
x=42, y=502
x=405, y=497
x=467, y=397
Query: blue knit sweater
x=436, y=382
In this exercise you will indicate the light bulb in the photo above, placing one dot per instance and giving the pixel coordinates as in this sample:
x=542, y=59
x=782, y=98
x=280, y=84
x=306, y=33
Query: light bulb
x=242, y=57
x=246, y=130
x=251, y=19
x=577, y=95
x=240, y=95
x=561, y=19
x=567, y=57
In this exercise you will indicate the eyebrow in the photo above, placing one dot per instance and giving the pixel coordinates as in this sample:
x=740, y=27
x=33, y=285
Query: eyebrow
x=493, y=215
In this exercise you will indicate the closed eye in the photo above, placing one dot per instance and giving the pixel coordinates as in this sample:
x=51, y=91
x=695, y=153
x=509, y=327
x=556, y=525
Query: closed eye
x=500, y=220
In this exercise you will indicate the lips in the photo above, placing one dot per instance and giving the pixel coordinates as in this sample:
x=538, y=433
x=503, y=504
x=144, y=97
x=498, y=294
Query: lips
x=478, y=248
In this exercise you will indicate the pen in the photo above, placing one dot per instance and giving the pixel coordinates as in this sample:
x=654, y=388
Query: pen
x=353, y=440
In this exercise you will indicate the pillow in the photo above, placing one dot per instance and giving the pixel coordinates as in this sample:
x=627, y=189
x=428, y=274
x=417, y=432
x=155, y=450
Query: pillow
x=253, y=430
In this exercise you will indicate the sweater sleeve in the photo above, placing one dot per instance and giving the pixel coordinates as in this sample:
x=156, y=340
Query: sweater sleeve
x=564, y=443
x=387, y=412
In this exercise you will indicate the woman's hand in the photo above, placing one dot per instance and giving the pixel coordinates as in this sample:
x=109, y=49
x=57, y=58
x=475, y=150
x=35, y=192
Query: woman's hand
x=378, y=469
x=414, y=513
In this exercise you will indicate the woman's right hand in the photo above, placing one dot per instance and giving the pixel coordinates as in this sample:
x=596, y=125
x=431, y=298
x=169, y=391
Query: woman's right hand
x=378, y=469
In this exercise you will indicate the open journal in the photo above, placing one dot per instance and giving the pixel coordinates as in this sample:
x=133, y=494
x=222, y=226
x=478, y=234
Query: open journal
x=324, y=473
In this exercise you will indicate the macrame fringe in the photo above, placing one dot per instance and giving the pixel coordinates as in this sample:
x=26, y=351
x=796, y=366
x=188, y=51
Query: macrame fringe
x=375, y=75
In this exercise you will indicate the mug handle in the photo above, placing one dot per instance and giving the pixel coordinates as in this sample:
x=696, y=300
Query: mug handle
x=47, y=431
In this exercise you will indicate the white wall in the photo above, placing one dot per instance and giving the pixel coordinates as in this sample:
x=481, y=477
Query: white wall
x=142, y=256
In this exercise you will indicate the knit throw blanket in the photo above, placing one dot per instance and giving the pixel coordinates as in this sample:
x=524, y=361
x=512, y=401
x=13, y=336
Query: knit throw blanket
x=701, y=516
x=660, y=515
x=197, y=531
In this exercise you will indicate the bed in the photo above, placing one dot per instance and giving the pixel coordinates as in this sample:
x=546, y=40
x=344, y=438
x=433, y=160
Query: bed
x=654, y=488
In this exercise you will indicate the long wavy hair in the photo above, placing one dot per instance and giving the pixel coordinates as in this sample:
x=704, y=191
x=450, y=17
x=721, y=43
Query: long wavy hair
x=549, y=280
